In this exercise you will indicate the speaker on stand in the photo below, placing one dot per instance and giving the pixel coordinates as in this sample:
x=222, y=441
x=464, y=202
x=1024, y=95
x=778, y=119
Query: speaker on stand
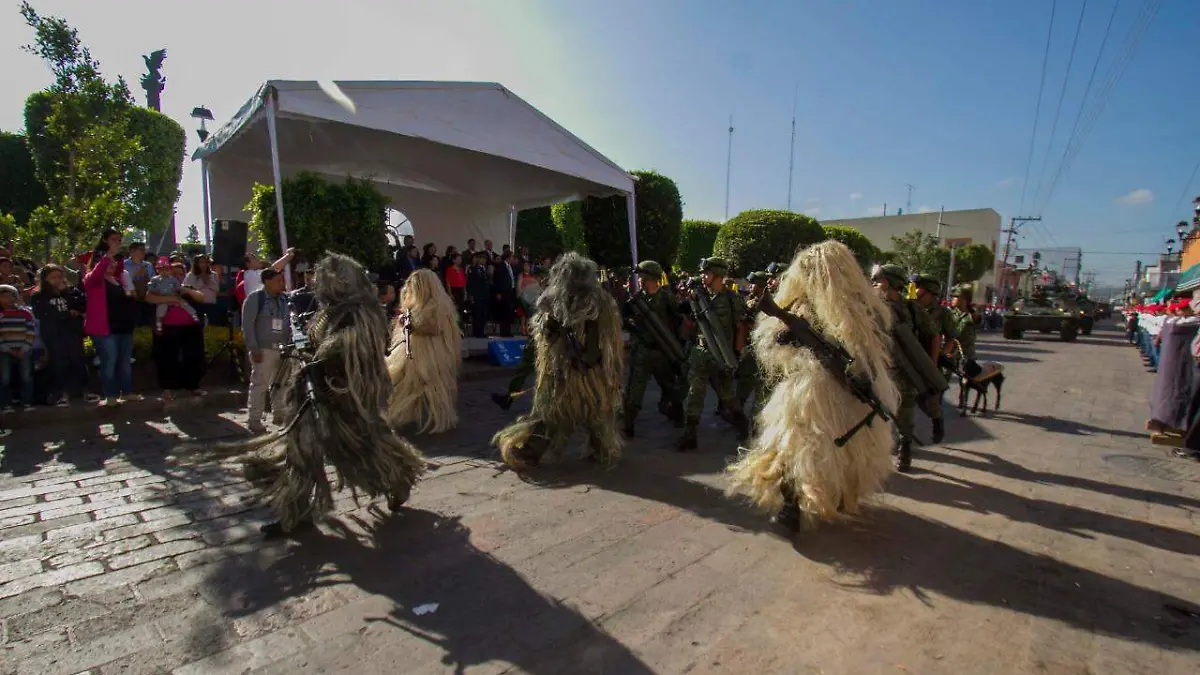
x=229, y=250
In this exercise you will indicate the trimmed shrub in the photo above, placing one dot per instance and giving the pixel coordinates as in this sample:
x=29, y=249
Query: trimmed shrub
x=157, y=169
x=695, y=242
x=864, y=251
x=568, y=221
x=753, y=239
x=535, y=229
x=322, y=217
x=22, y=192
x=603, y=224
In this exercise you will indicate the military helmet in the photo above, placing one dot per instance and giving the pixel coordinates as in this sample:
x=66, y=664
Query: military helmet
x=928, y=283
x=963, y=290
x=650, y=268
x=758, y=278
x=775, y=268
x=714, y=264
x=895, y=275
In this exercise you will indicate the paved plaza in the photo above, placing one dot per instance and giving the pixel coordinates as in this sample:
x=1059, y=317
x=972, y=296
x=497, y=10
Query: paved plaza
x=1051, y=537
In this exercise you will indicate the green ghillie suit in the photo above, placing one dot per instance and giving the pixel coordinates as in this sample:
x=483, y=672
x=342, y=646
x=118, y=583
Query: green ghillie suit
x=580, y=359
x=336, y=401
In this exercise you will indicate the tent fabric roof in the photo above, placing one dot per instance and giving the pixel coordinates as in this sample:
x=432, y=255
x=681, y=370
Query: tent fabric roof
x=454, y=157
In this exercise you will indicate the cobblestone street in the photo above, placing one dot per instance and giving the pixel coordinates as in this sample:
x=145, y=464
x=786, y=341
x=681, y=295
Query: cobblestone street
x=1050, y=537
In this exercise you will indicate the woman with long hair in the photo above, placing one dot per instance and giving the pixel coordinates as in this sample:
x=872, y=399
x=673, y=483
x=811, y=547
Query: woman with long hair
x=59, y=310
x=110, y=319
x=425, y=357
x=202, y=278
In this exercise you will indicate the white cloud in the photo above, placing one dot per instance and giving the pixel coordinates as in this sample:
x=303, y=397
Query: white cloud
x=814, y=211
x=925, y=209
x=813, y=200
x=1138, y=196
x=855, y=196
x=875, y=210
x=1006, y=182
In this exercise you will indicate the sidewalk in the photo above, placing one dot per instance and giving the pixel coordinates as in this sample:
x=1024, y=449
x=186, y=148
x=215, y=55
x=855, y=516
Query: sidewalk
x=1048, y=538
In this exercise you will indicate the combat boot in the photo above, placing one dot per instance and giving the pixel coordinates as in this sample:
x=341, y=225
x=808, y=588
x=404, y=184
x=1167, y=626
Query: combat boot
x=741, y=424
x=788, y=517
x=503, y=400
x=904, y=456
x=688, y=440
x=630, y=416
x=939, y=429
x=676, y=415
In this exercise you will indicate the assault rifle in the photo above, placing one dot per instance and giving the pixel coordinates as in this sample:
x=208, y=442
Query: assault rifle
x=833, y=357
x=710, y=329
x=298, y=348
x=407, y=327
x=650, y=322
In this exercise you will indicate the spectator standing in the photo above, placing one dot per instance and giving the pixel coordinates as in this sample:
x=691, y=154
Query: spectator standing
x=110, y=320
x=16, y=348
x=59, y=310
x=203, y=278
x=479, y=295
x=265, y=318
x=456, y=281
x=178, y=334
x=141, y=271
x=504, y=293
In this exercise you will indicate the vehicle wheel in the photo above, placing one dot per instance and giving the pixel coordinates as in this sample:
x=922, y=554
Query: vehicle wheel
x=1068, y=333
x=1086, y=328
x=1011, y=333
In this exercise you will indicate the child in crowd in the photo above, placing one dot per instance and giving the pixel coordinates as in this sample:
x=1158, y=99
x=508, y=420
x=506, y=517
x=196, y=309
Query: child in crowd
x=169, y=282
x=16, y=348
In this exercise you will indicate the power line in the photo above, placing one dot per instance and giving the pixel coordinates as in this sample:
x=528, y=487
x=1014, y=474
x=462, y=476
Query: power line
x=1186, y=188
x=1062, y=94
x=1037, y=110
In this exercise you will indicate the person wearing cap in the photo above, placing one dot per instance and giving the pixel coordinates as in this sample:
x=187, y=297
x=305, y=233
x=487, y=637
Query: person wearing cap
x=704, y=368
x=266, y=320
x=964, y=321
x=748, y=379
x=646, y=358
x=891, y=281
x=929, y=291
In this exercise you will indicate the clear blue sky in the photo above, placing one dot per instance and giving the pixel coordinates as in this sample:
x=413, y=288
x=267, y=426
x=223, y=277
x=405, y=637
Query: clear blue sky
x=937, y=94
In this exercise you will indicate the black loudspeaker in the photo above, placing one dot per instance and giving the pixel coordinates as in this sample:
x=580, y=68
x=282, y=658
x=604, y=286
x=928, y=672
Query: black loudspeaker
x=229, y=243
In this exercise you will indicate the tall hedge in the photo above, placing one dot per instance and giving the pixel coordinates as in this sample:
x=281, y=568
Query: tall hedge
x=695, y=242
x=864, y=251
x=21, y=191
x=535, y=229
x=323, y=216
x=602, y=224
x=753, y=239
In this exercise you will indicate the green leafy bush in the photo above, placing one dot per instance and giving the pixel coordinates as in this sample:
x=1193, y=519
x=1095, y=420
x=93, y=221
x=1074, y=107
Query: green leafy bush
x=753, y=239
x=864, y=251
x=156, y=170
x=321, y=217
x=601, y=225
x=695, y=242
x=22, y=192
x=535, y=229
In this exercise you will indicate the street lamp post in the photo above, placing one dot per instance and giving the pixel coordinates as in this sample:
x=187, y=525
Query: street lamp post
x=202, y=113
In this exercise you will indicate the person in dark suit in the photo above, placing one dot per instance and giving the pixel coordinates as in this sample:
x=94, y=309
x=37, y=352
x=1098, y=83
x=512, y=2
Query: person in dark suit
x=479, y=294
x=504, y=293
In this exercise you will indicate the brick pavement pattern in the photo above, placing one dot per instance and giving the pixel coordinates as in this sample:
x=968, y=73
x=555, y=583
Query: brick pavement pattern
x=1050, y=537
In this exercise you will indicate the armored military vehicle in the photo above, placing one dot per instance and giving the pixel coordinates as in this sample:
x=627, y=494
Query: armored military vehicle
x=1046, y=312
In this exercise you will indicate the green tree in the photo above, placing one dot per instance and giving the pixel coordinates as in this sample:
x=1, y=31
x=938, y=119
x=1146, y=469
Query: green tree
x=864, y=251
x=972, y=262
x=21, y=192
x=599, y=227
x=535, y=229
x=695, y=242
x=753, y=239
x=323, y=216
x=921, y=253
x=156, y=170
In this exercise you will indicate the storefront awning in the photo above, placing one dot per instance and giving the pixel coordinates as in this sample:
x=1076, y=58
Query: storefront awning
x=1189, y=280
x=1162, y=295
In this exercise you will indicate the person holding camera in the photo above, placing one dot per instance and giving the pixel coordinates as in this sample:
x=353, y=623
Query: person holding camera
x=110, y=319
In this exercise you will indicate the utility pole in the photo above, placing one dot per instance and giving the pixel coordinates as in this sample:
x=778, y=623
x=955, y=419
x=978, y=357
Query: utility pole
x=792, y=155
x=908, y=204
x=1013, y=223
x=728, y=166
x=939, y=225
x=950, y=277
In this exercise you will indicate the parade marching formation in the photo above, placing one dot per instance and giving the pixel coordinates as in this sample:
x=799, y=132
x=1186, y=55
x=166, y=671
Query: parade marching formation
x=831, y=362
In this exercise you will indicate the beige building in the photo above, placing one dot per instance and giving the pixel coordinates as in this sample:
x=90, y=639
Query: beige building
x=958, y=228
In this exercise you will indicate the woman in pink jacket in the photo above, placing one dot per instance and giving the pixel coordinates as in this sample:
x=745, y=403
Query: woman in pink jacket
x=110, y=320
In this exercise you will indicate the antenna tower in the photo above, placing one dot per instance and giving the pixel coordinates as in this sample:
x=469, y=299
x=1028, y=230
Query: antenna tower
x=792, y=155
x=728, y=166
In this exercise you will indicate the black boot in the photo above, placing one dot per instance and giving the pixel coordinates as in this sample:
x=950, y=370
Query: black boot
x=939, y=429
x=788, y=517
x=741, y=424
x=502, y=400
x=688, y=440
x=399, y=497
x=904, y=456
x=676, y=415
x=630, y=415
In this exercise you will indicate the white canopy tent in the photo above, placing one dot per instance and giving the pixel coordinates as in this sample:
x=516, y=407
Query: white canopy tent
x=459, y=159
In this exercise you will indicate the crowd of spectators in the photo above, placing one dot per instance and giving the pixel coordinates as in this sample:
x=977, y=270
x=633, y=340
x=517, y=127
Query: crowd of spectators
x=1168, y=336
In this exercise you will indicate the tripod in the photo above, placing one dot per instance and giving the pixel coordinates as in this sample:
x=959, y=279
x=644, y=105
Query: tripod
x=236, y=370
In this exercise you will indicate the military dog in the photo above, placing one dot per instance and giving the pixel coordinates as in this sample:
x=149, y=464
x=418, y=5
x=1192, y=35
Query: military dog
x=977, y=377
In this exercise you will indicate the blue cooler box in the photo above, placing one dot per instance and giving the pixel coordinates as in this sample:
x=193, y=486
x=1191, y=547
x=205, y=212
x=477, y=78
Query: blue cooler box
x=506, y=352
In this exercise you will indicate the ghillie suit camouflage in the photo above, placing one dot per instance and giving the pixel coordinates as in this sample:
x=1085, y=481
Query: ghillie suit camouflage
x=580, y=359
x=425, y=358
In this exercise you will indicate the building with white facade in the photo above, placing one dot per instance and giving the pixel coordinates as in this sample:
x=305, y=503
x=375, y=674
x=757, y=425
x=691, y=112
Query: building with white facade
x=955, y=228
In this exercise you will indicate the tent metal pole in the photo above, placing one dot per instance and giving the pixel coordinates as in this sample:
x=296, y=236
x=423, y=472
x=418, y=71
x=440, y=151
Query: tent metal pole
x=204, y=200
x=512, y=227
x=272, y=102
x=631, y=208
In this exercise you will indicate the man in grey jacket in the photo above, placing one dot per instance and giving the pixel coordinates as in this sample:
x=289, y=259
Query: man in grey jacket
x=265, y=325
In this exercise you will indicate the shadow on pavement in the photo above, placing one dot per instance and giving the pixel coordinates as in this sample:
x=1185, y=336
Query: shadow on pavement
x=1010, y=346
x=964, y=494
x=1002, y=467
x=486, y=611
x=892, y=551
x=1060, y=425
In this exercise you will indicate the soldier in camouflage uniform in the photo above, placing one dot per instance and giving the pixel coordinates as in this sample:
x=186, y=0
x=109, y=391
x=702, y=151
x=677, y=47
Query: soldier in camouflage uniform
x=704, y=368
x=964, y=323
x=646, y=357
x=929, y=291
x=891, y=281
x=748, y=378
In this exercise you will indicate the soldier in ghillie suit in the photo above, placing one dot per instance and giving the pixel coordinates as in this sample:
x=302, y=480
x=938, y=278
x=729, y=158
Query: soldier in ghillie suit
x=941, y=342
x=714, y=357
x=425, y=357
x=580, y=359
x=653, y=319
x=822, y=444
x=891, y=282
x=337, y=395
x=749, y=378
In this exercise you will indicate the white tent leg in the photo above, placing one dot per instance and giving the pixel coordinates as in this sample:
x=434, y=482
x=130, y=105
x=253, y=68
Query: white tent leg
x=512, y=227
x=204, y=200
x=631, y=207
x=271, y=131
